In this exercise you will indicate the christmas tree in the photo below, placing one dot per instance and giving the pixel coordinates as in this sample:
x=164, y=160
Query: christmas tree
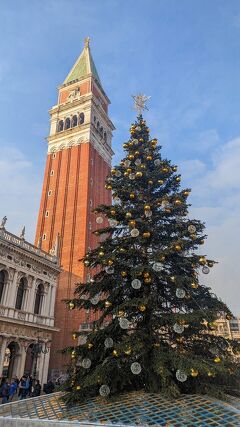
x=155, y=320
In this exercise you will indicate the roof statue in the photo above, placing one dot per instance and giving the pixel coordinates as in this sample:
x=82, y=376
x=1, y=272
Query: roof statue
x=22, y=234
x=83, y=66
x=3, y=222
x=140, y=101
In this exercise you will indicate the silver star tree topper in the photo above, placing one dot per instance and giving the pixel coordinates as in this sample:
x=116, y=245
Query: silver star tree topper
x=140, y=101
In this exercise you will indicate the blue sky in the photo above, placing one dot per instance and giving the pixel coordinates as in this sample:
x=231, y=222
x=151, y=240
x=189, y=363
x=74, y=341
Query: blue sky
x=184, y=54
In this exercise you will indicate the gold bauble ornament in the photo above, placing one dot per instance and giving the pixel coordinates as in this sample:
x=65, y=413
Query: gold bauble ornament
x=210, y=374
x=142, y=308
x=136, y=153
x=178, y=179
x=156, y=344
x=125, y=174
x=101, y=253
x=146, y=274
x=73, y=354
x=147, y=280
x=210, y=264
x=129, y=170
x=90, y=345
x=112, y=212
x=113, y=171
x=178, y=202
x=162, y=258
x=178, y=247
x=202, y=260
x=165, y=170
x=107, y=304
x=71, y=305
x=186, y=193
x=143, y=166
x=217, y=359
x=147, y=207
x=78, y=387
x=74, y=336
x=128, y=215
x=193, y=236
x=130, y=144
x=149, y=158
x=150, y=182
x=229, y=317
x=132, y=131
x=128, y=351
x=201, y=242
x=141, y=139
x=123, y=273
x=108, y=187
x=122, y=250
x=160, y=181
x=174, y=168
x=132, y=223
x=138, y=174
x=121, y=313
x=132, y=196
x=115, y=353
x=146, y=234
x=194, y=285
x=110, y=262
x=194, y=373
x=172, y=278
x=130, y=156
x=86, y=263
x=125, y=145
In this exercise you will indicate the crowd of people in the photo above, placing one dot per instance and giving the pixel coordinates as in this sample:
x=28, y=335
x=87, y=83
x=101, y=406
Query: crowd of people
x=23, y=388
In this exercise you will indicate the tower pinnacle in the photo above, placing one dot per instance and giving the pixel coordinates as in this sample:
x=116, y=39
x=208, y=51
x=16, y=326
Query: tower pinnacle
x=86, y=41
x=84, y=66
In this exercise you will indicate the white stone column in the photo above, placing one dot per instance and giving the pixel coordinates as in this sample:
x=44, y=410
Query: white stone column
x=43, y=365
x=32, y=295
x=3, y=347
x=21, y=362
x=52, y=306
x=12, y=291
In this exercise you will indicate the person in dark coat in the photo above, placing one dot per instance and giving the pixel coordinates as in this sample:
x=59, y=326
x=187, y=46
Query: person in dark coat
x=49, y=387
x=37, y=389
x=4, y=390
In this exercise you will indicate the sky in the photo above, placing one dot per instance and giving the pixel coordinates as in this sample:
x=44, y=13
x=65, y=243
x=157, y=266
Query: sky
x=184, y=54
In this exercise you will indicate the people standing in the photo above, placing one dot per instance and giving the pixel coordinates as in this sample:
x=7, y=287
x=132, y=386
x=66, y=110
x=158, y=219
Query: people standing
x=4, y=390
x=12, y=388
x=49, y=387
x=37, y=389
x=23, y=388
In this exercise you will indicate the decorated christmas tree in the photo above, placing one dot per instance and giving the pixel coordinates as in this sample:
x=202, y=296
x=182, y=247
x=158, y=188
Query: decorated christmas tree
x=155, y=320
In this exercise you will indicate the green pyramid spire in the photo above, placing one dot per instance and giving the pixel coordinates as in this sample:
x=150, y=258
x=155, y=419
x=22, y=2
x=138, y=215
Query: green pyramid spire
x=83, y=66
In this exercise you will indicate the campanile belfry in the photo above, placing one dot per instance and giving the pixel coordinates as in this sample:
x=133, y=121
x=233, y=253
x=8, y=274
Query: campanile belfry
x=78, y=160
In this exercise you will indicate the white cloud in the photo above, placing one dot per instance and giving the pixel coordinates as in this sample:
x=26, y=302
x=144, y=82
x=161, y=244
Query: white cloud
x=19, y=191
x=216, y=201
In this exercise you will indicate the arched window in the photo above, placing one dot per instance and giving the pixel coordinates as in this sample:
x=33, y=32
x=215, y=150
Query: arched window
x=101, y=130
x=2, y=283
x=38, y=299
x=20, y=294
x=74, y=121
x=98, y=124
x=81, y=118
x=60, y=126
x=67, y=123
x=105, y=136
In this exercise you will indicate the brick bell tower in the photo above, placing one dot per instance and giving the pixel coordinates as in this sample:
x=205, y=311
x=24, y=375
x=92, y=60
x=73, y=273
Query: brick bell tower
x=78, y=160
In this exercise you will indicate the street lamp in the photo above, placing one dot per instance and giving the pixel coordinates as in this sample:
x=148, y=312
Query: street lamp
x=39, y=347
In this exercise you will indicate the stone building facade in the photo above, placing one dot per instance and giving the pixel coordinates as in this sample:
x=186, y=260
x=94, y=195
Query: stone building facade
x=28, y=283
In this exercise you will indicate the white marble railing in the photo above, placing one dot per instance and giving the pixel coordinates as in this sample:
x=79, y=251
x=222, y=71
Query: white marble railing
x=11, y=238
x=13, y=313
